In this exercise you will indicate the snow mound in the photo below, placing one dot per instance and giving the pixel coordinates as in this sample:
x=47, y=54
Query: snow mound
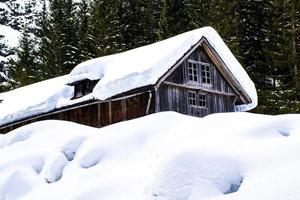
x=193, y=176
x=164, y=156
x=70, y=148
x=53, y=168
x=17, y=184
x=91, y=158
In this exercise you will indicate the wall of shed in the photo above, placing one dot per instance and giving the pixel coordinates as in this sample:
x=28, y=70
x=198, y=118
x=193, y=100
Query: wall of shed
x=97, y=114
x=180, y=75
x=173, y=92
x=173, y=98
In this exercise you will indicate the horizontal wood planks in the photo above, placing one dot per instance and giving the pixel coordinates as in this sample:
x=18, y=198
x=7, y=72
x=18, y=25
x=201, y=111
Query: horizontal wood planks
x=174, y=98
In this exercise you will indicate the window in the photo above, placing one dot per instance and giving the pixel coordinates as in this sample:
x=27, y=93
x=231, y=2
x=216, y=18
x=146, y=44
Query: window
x=197, y=99
x=193, y=72
x=202, y=100
x=83, y=88
x=78, y=91
x=199, y=72
x=205, y=74
x=192, y=98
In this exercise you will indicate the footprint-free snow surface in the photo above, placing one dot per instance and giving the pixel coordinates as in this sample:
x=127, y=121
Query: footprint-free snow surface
x=164, y=156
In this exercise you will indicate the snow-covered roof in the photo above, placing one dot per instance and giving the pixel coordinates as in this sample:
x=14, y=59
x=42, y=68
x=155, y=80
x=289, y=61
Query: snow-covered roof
x=146, y=65
x=119, y=73
x=33, y=99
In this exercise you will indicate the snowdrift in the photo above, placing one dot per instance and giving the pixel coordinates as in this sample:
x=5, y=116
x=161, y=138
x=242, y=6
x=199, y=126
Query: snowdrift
x=164, y=156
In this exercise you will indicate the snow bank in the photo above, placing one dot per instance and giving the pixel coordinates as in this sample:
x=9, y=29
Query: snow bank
x=164, y=156
x=18, y=183
x=145, y=65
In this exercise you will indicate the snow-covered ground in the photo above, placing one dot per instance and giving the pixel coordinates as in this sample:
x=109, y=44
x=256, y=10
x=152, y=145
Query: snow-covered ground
x=164, y=156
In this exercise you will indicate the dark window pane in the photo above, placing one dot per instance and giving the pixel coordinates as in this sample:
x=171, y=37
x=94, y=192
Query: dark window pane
x=202, y=100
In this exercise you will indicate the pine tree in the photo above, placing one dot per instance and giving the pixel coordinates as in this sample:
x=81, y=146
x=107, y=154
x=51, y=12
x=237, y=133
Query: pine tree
x=44, y=52
x=294, y=27
x=69, y=37
x=4, y=82
x=58, y=49
x=175, y=18
x=23, y=69
x=84, y=42
x=53, y=38
x=104, y=31
x=138, y=23
x=252, y=33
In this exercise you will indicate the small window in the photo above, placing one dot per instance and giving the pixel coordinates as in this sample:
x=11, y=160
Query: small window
x=193, y=72
x=192, y=98
x=205, y=74
x=83, y=88
x=197, y=99
x=202, y=100
x=87, y=88
x=78, y=91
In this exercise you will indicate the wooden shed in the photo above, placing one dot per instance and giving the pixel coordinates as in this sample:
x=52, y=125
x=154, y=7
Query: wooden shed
x=200, y=77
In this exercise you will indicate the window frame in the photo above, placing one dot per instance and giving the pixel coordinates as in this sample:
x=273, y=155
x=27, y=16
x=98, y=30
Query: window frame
x=197, y=99
x=193, y=72
x=203, y=72
x=78, y=91
x=206, y=74
x=192, y=98
x=83, y=88
x=202, y=100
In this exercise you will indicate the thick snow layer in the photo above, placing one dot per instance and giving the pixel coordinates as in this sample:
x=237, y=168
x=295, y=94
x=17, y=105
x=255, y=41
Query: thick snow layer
x=11, y=36
x=145, y=65
x=33, y=99
x=164, y=156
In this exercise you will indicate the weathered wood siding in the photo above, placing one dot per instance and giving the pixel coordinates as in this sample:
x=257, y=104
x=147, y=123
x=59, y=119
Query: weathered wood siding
x=174, y=98
x=173, y=93
x=97, y=114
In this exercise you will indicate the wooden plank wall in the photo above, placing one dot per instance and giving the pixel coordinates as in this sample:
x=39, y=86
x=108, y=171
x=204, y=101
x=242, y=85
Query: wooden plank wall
x=173, y=98
x=180, y=75
x=99, y=114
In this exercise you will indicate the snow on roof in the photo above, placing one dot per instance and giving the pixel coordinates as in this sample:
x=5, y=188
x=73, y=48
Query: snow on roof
x=33, y=99
x=145, y=65
x=119, y=73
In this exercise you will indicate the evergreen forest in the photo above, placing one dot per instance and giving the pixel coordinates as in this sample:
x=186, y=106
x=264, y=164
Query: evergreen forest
x=264, y=35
